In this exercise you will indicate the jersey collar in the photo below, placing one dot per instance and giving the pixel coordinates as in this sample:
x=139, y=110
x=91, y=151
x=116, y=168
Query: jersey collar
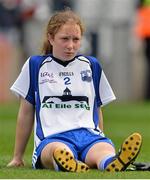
x=63, y=63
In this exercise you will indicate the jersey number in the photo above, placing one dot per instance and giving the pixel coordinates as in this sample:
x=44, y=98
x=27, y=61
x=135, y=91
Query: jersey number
x=67, y=80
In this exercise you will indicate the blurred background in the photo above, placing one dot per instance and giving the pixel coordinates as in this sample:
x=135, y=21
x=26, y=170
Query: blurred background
x=115, y=34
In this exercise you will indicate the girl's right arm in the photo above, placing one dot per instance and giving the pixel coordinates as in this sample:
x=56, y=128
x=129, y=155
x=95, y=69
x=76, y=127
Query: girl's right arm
x=24, y=128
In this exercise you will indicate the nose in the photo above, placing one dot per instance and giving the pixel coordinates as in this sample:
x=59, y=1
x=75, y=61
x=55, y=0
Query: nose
x=70, y=45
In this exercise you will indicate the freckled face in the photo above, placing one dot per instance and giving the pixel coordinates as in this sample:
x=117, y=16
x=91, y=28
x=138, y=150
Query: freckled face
x=66, y=42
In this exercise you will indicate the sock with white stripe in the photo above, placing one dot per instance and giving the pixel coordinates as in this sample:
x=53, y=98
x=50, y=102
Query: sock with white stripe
x=104, y=163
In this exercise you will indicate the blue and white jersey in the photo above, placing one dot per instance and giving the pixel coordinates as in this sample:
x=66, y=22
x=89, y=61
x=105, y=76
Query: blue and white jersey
x=65, y=96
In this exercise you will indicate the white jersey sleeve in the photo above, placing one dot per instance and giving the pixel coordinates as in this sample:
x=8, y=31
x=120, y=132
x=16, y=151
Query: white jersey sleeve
x=22, y=84
x=105, y=90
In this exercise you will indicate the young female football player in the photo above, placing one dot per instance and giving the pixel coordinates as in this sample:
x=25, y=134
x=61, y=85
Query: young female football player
x=61, y=94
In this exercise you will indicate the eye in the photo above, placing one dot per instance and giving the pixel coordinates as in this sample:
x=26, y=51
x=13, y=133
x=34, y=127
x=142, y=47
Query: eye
x=65, y=38
x=76, y=39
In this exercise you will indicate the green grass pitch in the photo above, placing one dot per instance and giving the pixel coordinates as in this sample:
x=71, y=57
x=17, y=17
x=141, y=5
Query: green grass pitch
x=120, y=120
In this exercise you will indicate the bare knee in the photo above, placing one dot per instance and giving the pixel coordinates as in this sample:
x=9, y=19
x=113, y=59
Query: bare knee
x=47, y=153
x=98, y=152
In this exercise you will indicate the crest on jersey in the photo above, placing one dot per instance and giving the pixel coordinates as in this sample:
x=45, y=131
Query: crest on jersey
x=86, y=75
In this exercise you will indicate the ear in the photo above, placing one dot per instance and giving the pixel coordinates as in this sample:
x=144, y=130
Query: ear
x=50, y=38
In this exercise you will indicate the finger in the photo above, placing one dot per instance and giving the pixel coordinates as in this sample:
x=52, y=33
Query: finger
x=15, y=164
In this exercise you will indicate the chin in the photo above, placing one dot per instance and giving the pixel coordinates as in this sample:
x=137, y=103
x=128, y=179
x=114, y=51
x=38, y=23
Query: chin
x=69, y=57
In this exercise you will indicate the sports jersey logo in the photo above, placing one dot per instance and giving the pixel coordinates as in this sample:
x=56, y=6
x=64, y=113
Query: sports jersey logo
x=44, y=74
x=66, y=101
x=62, y=74
x=47, y=77
x=86, y=75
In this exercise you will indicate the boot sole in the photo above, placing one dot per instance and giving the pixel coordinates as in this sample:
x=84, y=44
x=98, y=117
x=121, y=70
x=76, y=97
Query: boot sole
x=129, y=151
x=66, y=161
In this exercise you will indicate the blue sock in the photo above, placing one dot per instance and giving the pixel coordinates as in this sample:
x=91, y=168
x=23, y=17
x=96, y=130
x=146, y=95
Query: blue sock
x=104, y=163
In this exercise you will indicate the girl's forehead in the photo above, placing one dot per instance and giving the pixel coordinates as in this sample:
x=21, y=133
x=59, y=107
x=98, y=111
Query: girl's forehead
x=69, y=25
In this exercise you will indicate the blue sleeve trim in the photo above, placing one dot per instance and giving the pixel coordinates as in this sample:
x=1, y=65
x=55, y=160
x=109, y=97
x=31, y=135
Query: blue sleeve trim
x=96, y=73
x=34, y=66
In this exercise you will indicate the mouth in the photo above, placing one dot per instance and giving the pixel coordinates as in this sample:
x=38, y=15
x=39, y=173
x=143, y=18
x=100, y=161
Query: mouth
x=69, y=53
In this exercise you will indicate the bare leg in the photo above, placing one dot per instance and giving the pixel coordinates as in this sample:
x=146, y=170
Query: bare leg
x=98, y=152
x=128, y=152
